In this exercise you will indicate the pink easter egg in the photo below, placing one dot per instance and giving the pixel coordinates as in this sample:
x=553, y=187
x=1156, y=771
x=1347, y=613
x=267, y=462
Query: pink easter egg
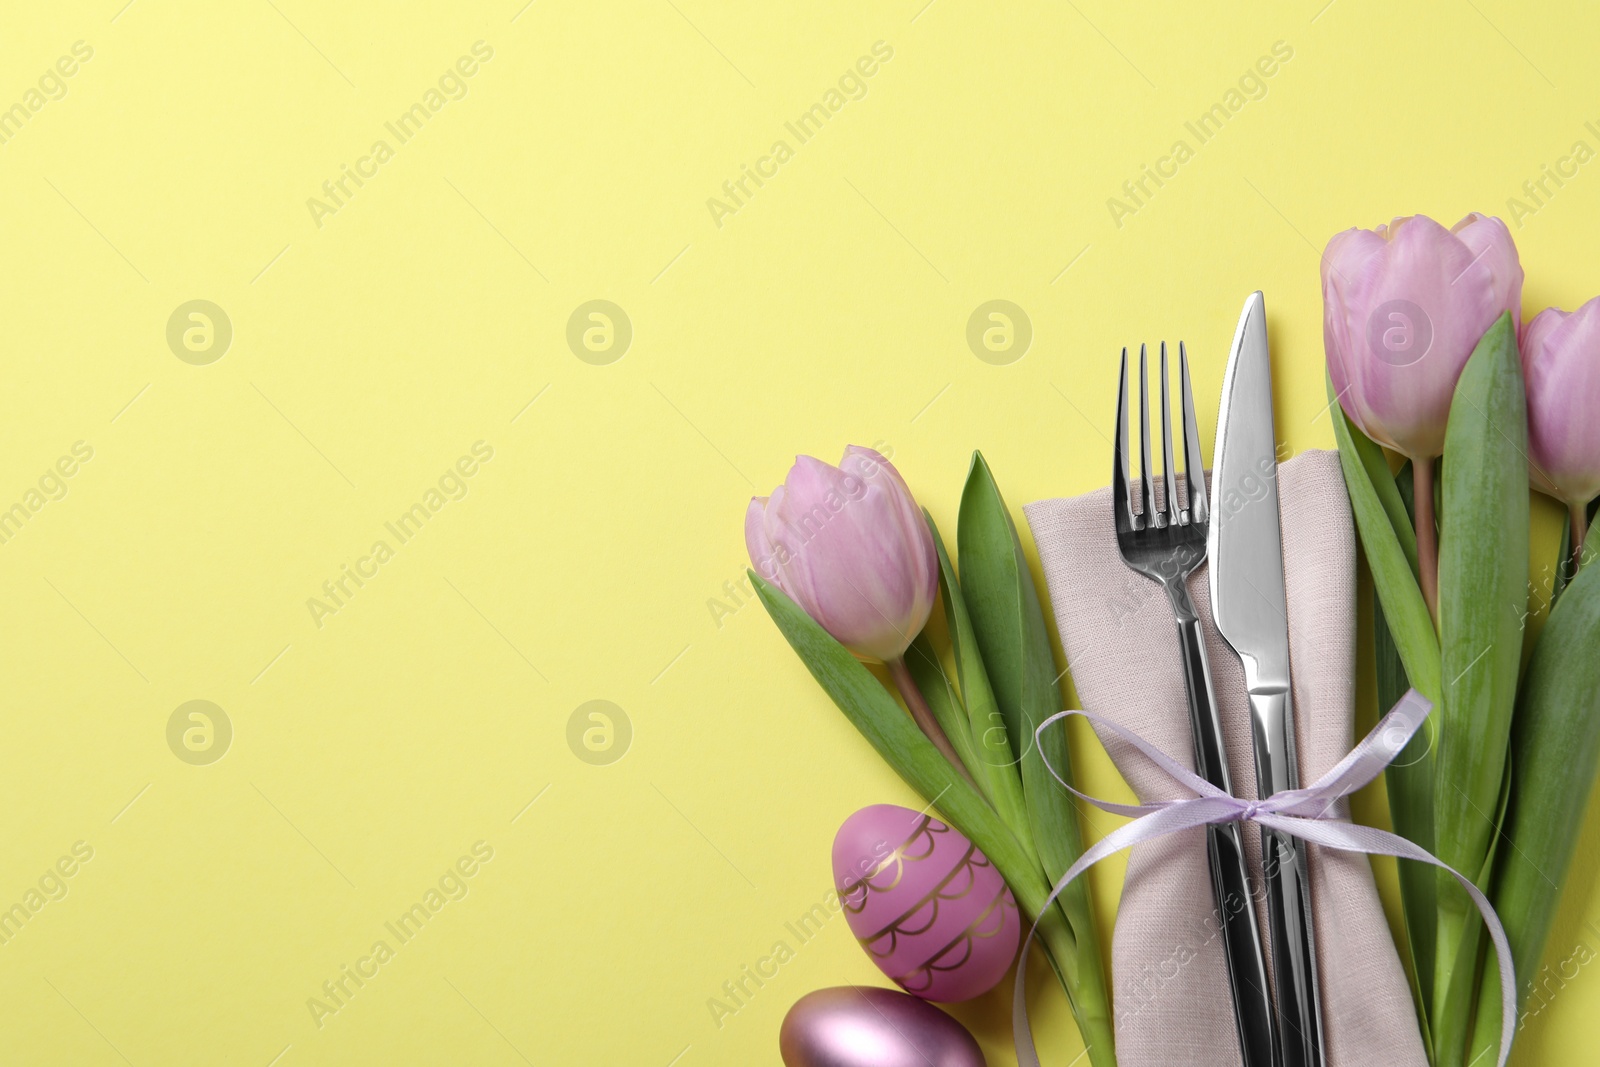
x=927, y=905
x=863, y=1026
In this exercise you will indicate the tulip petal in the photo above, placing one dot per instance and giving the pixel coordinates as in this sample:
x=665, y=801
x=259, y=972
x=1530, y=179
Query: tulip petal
x=755, y=539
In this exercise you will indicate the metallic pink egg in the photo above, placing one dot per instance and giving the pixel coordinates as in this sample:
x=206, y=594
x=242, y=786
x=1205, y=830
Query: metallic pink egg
x=926, y=904
x=861, y=1026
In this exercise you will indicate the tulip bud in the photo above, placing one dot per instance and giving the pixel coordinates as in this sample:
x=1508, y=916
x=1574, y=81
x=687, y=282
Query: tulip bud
x=851, y=547
x=1561, y=365
x=1404, y=306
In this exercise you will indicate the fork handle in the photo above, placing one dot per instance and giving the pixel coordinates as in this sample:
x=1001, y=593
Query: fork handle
x=1211, y=759
x=1230, y=884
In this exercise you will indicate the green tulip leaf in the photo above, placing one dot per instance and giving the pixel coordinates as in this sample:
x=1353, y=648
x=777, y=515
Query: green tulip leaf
x=998, y=589
x=991, y=591
x=1555, y=758
x=1409, y=780
x=1391, y=549
x=922, y=660
x=1483, y=596
x=995, y=767
x=1008, y=622
x=1395, y=498
x=1407, y=649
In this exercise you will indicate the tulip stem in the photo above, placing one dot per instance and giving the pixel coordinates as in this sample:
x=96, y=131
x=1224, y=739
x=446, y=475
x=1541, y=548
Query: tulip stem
x=923, y=715
x=1427, y=535
x=1580, y=532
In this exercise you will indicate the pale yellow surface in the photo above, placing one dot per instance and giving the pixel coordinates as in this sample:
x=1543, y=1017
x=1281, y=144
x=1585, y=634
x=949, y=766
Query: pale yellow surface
x=371, y=351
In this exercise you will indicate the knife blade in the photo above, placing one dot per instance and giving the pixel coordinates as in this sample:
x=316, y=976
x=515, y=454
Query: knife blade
x=1249, y=605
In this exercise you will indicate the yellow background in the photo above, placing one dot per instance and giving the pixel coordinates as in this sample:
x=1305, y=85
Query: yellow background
x=371, y=352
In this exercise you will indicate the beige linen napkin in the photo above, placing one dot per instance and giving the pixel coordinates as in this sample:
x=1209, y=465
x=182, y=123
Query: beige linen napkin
x=1170, y=983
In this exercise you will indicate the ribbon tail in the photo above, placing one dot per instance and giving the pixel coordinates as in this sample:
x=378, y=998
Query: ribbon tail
x=1179, y=816
x=1350, y=837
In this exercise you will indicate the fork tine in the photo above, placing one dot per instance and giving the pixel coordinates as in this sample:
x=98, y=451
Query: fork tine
x=1169, y=485
x=1152, y=515
x=1194, y=464
x=1120, y=504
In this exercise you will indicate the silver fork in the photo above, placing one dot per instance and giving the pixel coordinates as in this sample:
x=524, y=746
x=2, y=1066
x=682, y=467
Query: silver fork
x=1165, y=543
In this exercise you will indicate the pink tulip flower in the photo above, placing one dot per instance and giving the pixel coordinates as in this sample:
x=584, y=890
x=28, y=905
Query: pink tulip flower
x=1561, y=365
x=850, y=546
x=1403, y=307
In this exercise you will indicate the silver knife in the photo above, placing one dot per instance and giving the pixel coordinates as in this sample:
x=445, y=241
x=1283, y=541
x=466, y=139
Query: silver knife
x=1248, y=603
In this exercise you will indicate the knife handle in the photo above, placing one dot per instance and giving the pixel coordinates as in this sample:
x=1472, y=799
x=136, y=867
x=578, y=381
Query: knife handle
x=1283, y=857
x=1293, y=949
x=1230, y=884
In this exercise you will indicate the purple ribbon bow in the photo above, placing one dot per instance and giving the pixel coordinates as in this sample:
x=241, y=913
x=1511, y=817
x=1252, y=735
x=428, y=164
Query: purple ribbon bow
x=1301, y=812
